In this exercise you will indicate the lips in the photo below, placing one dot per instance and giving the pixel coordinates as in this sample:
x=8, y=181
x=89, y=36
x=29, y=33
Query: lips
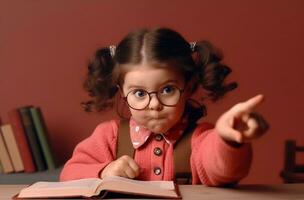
x=156, y=116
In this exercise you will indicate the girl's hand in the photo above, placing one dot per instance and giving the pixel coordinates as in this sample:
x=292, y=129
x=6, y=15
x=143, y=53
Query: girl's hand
x=124, y=166
x=240, y=124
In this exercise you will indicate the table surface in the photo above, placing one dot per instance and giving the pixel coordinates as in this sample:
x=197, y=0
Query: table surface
x=248, y=192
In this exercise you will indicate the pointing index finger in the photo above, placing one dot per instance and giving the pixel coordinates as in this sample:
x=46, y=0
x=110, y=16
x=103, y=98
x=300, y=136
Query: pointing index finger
x=249, y=105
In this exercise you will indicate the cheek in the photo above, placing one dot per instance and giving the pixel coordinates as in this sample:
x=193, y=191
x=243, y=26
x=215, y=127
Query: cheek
x=175, y=113
x=138, y=115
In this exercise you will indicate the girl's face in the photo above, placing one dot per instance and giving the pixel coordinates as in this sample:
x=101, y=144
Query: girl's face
x=156, y=117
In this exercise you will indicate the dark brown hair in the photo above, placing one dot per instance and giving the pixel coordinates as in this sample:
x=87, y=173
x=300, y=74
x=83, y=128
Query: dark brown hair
x=160, y=46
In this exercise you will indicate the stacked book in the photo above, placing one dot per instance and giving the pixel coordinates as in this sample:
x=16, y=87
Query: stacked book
x=24, y=145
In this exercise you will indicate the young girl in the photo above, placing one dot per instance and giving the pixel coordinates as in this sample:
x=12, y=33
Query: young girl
x=155, y=72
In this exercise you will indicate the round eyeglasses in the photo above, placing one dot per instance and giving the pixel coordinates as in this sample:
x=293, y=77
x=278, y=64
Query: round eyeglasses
x=139, y=99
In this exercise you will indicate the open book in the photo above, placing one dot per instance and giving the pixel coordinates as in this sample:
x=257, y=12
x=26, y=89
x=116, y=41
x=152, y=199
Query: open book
x=100, y=187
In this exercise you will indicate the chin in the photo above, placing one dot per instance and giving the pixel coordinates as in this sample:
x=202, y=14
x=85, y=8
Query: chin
x=158, y=128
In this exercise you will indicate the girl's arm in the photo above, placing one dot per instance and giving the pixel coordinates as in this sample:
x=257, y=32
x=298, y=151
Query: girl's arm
x=214, y=162
x=225, y=151
x=92, y=154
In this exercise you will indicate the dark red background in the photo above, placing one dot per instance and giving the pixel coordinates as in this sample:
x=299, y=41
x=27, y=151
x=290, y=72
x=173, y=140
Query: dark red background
x=45, y=46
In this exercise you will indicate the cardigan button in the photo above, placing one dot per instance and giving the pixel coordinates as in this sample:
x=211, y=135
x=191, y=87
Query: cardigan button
x=157, y=151
x=157, y=170
x=158, y=137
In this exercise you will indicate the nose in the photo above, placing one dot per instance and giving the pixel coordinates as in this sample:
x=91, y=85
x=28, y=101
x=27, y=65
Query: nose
x=154, y=102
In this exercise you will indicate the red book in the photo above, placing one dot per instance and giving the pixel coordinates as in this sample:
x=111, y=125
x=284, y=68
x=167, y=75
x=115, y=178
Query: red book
x=21, y=139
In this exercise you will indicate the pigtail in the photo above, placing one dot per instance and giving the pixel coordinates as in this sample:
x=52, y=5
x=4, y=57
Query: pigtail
x=211, y=71
x=99, y=83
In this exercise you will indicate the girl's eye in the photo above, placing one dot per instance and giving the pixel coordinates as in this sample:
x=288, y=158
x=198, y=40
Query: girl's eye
x=139, y=93
x=168, y=90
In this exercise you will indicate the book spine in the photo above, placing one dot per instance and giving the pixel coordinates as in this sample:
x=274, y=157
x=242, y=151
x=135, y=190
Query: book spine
x=32, y=138
x=1, y=168
x=12, y=148
x=22, y=141
x=4, y=157
x=41, y=130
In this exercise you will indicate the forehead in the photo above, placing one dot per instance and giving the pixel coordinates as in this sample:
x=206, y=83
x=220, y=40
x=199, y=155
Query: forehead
x=151, y=77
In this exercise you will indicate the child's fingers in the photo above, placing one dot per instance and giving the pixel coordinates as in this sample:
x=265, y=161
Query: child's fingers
x=122, y=174
x=133, y=165
x=230, y=134
x=129, y=166
x=130, y=172
x=257, y=126
x=250, y=132
x=262, y=123
x=248, y=106
x=237, y=136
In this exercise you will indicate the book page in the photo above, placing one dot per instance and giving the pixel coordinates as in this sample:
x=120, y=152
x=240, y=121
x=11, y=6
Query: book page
x=148, y=188
x=166, y=185
x=81, y=187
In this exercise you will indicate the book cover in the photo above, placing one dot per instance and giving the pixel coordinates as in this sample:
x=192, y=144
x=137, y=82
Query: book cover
x=93, y=187
x=42, y=134
x=31, y=134
x=22, y=141
x=12, y=148
x=7, y=165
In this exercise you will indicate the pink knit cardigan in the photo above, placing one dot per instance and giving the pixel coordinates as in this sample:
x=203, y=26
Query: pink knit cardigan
x=213, y=161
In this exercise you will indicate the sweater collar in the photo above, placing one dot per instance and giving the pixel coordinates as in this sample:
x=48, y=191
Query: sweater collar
x=140, y=134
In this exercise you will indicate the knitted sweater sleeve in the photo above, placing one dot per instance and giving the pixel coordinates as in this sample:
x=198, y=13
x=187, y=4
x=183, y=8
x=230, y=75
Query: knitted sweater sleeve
x=216, y=163
x=91, y=155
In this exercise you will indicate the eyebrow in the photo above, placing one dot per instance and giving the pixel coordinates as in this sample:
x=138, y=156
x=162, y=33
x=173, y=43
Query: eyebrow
x=142, y=87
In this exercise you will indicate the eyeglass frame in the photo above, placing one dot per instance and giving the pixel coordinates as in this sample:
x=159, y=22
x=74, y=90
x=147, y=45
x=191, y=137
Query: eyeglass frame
x=181, y=91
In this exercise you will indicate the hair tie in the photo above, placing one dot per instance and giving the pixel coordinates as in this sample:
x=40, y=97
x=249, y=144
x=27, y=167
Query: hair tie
x=112, y=50
x=192, y=46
